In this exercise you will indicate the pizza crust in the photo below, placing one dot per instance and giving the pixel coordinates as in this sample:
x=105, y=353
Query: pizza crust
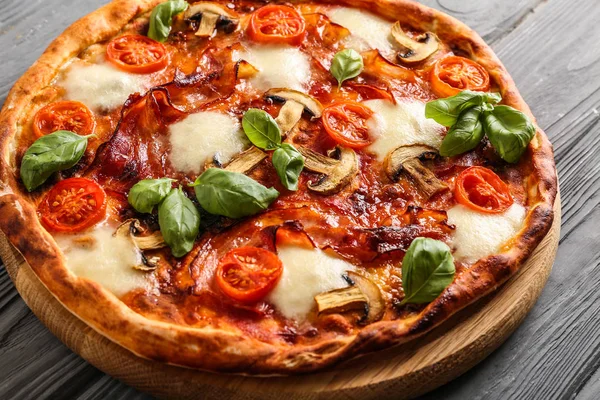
x=227, y=351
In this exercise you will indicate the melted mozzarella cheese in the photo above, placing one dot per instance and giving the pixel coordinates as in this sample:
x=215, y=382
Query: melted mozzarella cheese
x=479, y=235
x=401, y=124
x=106, y=259
x=101, y=86
x=306, y=273
x=369, y=31
x=200, y=136
x=278, y=66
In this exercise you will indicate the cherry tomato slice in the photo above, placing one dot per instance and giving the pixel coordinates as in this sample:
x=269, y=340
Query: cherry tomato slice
x=248, y=274
x=277, y=24
x=454, y=74
x=64, y=115
x=138, y=54
x=480, y=189
x=346, y=123
x=73, y=205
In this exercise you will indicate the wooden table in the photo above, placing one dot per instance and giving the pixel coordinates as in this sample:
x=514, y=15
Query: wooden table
x=551, y=47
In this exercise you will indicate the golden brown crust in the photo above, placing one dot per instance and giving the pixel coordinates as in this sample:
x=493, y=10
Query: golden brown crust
x=220, y=350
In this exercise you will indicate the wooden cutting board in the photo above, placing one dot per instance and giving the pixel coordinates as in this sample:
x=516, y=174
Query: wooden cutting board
x=403, y=372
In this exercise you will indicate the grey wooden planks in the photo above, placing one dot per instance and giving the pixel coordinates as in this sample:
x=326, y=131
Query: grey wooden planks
x=550, y=47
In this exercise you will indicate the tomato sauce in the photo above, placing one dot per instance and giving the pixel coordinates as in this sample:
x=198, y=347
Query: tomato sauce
x=370, y=223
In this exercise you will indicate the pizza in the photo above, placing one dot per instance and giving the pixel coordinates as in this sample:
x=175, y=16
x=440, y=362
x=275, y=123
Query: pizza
x=270, y=187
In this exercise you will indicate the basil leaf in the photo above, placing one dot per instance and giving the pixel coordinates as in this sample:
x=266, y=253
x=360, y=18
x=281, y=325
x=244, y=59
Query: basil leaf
x=465, y=135
x=147, y=193
x=446, y=111
x=427, y=269
x=509, y=131
x=232, y=194
x=261, y=129
x=346, y=64
x=179, y=222
x=161, y=18
x=51, y=153
x=288, y=163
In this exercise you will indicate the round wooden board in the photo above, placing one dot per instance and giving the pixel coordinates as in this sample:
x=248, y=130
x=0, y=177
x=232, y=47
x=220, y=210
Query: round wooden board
x=403, y=372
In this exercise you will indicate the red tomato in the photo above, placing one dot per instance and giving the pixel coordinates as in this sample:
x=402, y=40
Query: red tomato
x=277, y=24
x=480, y=189
x=73, y=205
x=346, y=123
x=64, y=115
x=452, y=75
x=138, y=54
x=247, y=274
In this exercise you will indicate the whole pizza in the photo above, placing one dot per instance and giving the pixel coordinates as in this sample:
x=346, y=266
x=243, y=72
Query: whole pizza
x=270, y=187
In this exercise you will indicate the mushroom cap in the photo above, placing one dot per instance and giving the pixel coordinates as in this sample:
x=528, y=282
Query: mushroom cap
x=311, y=105
x=247, y=160
x=209, y=7
x=417, y=49
x=376, y=303
x=337, y=173
x=394, y=162
x=129, y=229
x=407, y=159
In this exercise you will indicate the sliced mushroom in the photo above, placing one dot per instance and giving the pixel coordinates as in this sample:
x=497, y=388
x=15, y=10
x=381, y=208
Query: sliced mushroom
x=246, y=161
x=210, y=14
x=337, y=172
x=148, y=264
x=417, y=49
x=132, y=228
x=245, y=70
x=154, y=241
x=407, y=159
x=372, y=293
x=364, y=294
x=341, y=300
x=295, y=103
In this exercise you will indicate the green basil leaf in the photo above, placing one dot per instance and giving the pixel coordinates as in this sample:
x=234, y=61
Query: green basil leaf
x=232, y=194
x=465, y=135
x=261, y=129
x=179, y=222
x=446, y=111
x=288, y=163
x=427, y=269
x=147, y=193
x=161, y=18
x=49, y=154
x=509, y=131
x=346, y=64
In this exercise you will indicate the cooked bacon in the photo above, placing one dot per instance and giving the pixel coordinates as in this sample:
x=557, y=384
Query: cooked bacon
x=371, y=92
x=138, y=147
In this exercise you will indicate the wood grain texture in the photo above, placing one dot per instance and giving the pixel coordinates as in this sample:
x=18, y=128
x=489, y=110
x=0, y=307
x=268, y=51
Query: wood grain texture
x=550, y=48
x=402, y=373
